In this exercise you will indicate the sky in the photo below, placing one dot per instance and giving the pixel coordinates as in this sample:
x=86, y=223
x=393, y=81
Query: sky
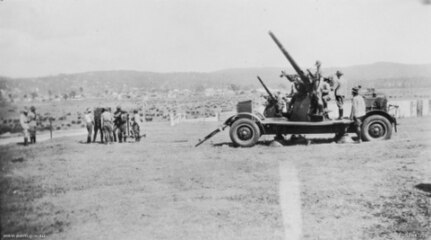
x=49, y=37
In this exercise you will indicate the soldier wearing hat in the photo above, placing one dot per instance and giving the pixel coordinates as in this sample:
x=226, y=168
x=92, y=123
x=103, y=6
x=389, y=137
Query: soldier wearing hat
x=23, y=119
x=136, y=125
x=121, y=119
x=358, y=111
x=89, y=120
x=340, y=92
x=32, y=124
x=117, y=119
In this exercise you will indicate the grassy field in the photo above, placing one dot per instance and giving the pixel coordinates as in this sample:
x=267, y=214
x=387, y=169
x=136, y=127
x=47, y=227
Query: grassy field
x=164, y=188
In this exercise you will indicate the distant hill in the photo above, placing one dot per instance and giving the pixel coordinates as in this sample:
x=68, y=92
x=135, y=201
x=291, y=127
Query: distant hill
x=379, y=75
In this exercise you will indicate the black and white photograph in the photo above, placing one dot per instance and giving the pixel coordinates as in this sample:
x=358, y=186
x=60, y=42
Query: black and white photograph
x=217, y=120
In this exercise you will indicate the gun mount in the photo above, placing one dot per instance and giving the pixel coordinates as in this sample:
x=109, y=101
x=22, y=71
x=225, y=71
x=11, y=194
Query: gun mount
x=247, y=126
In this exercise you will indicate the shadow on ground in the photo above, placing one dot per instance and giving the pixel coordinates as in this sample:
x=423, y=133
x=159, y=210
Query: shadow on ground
x=289, y=142
x=426, y=187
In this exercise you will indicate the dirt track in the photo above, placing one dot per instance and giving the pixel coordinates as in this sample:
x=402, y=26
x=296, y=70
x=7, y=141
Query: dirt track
x=164, y=188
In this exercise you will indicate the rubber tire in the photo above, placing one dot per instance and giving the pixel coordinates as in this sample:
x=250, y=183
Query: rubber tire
x=382, y=121
x=250, y=125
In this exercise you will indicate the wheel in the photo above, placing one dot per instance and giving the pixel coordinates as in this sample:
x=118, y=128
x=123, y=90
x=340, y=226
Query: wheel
x=376, y=127
x=244, y=133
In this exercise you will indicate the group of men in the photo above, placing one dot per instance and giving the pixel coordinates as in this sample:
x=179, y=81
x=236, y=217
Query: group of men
x=28, y=121
x=322, y=87
x=339, y=86
x=113, y=127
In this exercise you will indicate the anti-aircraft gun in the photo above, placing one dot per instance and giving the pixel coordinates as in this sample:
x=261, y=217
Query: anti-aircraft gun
x=304, y=104
x=247, y=125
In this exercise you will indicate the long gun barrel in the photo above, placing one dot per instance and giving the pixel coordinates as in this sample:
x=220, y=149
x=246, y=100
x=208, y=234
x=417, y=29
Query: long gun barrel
x=290, y=59
x=267, y=90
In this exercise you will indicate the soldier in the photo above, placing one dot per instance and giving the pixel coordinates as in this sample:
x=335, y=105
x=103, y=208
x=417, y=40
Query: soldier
x=32, y=124
x=23, y=119
x=117, y=121
x=324, y=90
x=358, y=111
x=98, y=124
x=89, y=120
x=340, y=91
x=135, y=123
x=316, y=94
x=122, y=126
x=107, y=122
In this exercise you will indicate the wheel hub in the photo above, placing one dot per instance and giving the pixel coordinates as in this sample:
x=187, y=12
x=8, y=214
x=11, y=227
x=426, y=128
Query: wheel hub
x=377, y=130
x=245, y=133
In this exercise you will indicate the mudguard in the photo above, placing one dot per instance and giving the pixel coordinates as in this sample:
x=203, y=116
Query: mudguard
x=391, y=118
x=257, y=117
x=253, y=116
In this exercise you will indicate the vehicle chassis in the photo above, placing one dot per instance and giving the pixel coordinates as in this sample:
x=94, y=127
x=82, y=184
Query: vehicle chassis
x=246, y=128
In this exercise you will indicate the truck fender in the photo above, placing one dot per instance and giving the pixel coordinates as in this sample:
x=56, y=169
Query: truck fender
x=391, y=118
x=255, y=117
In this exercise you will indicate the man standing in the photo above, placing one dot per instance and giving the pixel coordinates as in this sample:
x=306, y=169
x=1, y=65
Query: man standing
x=89, y=120
x=324, y=90
x=107, y=121
x=117, y=120
x=32, y=124
x=23, y=119
x=340, y=92
x=358, y=111
x=122, y=126
x=98, y=123
x=135, y=124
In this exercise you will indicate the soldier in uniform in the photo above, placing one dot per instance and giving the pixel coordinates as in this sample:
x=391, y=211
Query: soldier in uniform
x=98, y=124
x=117, y=122
x=122, y=126
x=89, y=120
x=324, y=90
x=107, y=122
x=23, y=119
x=135, y=124
x=32, y=124
x=340, y=92
x=316, y=96
x=358, y=111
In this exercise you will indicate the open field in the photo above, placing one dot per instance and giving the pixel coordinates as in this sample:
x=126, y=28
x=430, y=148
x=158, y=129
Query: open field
x=164, y=188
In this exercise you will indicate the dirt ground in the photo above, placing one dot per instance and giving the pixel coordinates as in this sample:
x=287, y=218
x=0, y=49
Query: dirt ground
x=164, y=188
